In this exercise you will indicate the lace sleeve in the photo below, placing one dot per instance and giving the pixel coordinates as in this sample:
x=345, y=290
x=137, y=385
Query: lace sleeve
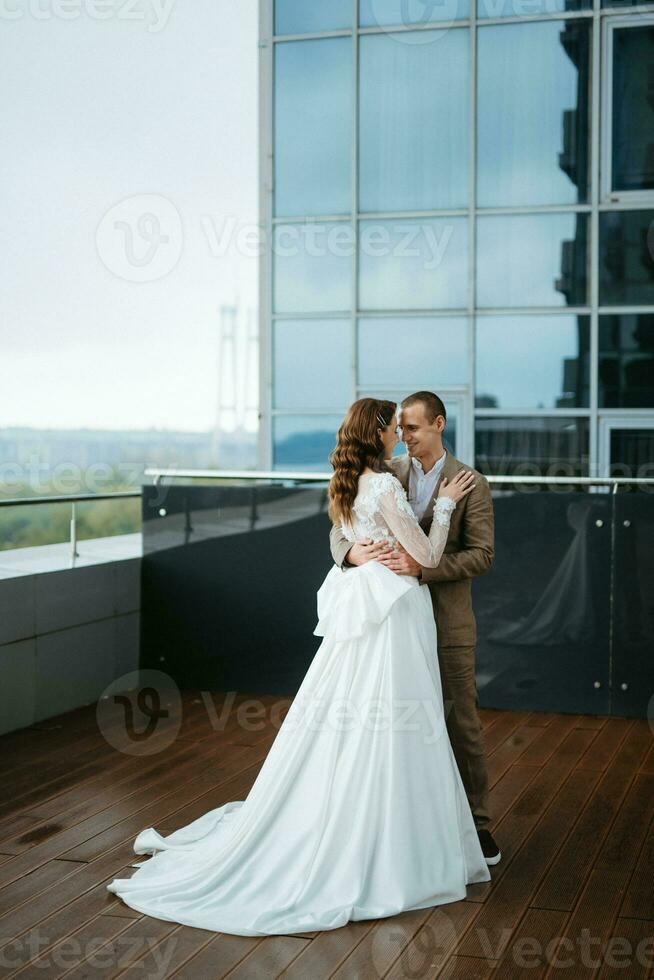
x=396, y=511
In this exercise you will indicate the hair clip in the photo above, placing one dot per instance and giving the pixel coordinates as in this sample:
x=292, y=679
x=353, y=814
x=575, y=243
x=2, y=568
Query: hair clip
x=381, y=421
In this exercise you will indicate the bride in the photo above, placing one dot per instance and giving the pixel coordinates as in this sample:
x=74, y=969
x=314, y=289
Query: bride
x=358, y=811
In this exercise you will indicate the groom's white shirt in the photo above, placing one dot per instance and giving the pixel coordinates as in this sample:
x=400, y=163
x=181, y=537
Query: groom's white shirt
x=422, y=486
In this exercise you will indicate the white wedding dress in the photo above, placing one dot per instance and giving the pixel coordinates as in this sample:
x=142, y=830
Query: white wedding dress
x=358, y=811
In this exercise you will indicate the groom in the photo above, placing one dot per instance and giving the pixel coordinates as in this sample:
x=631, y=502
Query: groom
x=469, y=552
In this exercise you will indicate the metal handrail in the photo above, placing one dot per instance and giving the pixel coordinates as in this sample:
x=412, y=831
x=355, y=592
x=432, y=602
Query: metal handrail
x=56, y=498
x=312, y=477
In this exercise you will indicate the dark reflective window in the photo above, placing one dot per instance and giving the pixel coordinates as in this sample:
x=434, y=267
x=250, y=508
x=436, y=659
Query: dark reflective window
x=632, y=154
x=305, y=441
x=532, y=361
x=632, y=452
x=533, y=137
x=313, y=127
x=413, y=150
x=311, y=363
x=532, y=446
x=626, y=257
x=532, y=260
x=310, y=16
x=626, y=360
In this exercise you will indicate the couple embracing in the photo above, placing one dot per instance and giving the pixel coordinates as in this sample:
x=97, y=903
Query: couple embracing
x=376, y=802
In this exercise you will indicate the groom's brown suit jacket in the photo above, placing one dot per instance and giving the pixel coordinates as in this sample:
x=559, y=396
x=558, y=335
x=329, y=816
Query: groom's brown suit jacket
x=469, y=552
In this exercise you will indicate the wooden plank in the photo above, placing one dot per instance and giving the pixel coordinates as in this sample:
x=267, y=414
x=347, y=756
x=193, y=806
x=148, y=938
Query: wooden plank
x=510, y=895
x=467, y=968
x=503, y=729
x=603, y=894
x=513, y=829
x=639, y=897
x=54, y=898
x=562, y=884
x=73, y=777
x=269, y=958
x=88, y=838
x=325, y=954
x=529, y=952
x=588, y=929
x=150, y=776
x=512, y=749
x=630, y=953
x=161, y=959
x=380, y=946
x=431, y=947
x=542, y=750
x=606, y=745
x=25, y=888
x=217, y=957
x=95, y=940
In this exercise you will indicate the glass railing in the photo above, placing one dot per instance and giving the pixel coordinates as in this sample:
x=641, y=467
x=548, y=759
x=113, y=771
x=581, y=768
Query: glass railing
x=35, y=521
x=565, y=617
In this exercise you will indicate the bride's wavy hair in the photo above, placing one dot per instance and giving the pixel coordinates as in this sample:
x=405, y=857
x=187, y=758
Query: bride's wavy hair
x=358, y=445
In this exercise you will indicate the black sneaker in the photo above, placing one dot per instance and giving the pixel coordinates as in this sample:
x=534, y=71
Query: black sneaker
x=490, y=849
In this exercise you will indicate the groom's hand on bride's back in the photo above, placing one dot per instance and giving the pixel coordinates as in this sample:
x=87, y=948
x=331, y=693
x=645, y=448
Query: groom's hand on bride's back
x=400, y=561
x=364, y=551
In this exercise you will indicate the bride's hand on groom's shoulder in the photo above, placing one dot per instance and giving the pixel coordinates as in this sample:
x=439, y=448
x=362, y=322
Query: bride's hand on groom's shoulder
x=364, y=551
x=458, y=487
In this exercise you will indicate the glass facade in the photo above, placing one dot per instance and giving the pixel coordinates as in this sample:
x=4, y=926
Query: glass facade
x=461, y=199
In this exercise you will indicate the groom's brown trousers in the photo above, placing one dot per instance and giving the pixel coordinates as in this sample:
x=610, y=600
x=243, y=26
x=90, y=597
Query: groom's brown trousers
x=461, y=701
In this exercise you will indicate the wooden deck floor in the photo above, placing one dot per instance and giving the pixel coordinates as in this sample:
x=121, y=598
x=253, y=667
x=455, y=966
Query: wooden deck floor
x=572, y=802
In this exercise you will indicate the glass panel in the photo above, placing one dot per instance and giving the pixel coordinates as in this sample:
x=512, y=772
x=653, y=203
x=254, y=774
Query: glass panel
x=543, y=611
x=533, y=138
x=536, y=446
x=626, y=360
x=313, y=127
x=532, y=362
x=313, y=267
x=413, y=152
x=626, y=257
x=305, y=441
x=633, y=622
x=413, y=351
x=310, y=16
x=311, y=363
x=632, y=109
x=632, y=452
x=532, y=260
x=411, y=13
x=413, y=264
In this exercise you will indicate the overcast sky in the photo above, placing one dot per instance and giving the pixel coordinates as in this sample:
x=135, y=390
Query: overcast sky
x=128, y=142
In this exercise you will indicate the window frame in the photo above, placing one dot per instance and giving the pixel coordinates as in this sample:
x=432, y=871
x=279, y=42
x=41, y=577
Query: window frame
x=607, y=194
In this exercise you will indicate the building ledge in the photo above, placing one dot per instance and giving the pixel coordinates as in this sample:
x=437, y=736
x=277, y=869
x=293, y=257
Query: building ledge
x=57, y=557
